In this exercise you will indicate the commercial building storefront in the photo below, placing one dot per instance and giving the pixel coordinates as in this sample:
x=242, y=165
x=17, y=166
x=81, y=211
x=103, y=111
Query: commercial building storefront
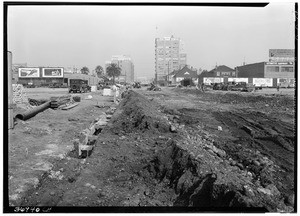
x=41, y=76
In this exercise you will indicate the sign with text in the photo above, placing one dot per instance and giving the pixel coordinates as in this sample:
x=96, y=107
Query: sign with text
x=286, y=82
x=238, y=80
x=53, y=72
x=281, y=55
x=210, y=80
x=29, y=72
x=263, y=82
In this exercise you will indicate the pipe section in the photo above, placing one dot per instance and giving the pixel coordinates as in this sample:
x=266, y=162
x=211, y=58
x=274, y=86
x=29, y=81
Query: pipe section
x=30, y=113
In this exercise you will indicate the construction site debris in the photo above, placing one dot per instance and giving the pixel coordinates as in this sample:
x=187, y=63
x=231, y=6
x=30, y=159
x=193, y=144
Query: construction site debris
x=33, y=112
x=70, y=106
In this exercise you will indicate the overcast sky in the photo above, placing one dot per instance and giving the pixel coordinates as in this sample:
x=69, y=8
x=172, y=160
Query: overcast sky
x=89, y=35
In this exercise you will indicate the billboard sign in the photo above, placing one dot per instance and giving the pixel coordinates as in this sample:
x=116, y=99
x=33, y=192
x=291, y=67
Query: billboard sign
x=286, y=82
x=281, y=55
x=210, y=80
x=53, y=72
x=238, y=79
x=263, y=82
x=29, y=72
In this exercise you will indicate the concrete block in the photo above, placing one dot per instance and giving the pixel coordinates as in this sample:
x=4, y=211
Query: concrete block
x=92, y=130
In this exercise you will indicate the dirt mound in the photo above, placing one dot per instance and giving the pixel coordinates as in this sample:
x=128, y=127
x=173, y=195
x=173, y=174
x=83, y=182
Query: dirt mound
x=137, y=113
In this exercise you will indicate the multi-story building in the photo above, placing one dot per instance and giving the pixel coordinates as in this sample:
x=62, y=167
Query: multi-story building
x=169, y=56
x=127, y=68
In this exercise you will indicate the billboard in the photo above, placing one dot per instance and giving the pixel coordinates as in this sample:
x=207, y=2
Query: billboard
x=53, y=72
x=263, y=82
x=281, y=55
x=238, y=79
x=210, y=80
x=29, y=72
x=286, y=82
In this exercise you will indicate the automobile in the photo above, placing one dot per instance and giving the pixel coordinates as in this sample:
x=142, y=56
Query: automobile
x=243, y=86
x=79, y=86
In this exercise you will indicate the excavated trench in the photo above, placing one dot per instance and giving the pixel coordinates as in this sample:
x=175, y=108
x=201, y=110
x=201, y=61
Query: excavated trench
x=169, y=167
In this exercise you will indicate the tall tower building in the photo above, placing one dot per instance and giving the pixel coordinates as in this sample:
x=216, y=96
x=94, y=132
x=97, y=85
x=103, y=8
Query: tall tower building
x=126, y=65
x=169, y=56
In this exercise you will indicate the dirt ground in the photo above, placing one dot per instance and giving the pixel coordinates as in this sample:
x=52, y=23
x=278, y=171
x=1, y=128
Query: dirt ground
x=180, y=148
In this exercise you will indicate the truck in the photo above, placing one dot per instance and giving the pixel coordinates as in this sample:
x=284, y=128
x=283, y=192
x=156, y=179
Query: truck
x=79, y=85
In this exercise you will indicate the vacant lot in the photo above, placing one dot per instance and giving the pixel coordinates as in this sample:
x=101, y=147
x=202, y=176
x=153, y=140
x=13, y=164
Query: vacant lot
x=215, y=151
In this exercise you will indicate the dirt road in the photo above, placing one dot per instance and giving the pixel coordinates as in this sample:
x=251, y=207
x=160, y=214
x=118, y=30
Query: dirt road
x=173, y=148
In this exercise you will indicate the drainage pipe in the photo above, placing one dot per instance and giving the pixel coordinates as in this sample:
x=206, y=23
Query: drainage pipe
x=30, y=113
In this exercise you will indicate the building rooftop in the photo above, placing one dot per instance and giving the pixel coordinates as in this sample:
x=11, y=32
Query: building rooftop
x=222, y=68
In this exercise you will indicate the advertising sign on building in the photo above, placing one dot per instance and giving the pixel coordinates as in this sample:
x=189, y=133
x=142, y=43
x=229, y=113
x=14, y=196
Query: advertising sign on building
x=29, y=72
x=210, y=80
x=286, y=82
x=263, y=82
x=238, y=79
x=53, y=72
x=281, y=55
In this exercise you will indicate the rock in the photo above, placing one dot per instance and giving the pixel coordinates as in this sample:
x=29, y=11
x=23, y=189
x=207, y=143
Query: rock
x=239, y=165
x=221, y=153
x=256, y=163
x=172, y=129
x=210, y=151
x=291, y=199
x=52, y=193
x=100, y=123
x=214, y=148
x=147, y=192
x=108, y=116
x=86, y=147
x=273, y=189
x=233, y=163
x=264, y=191
x=92, y=138
x=88, y=185
x=122, y=137
x=249, y=174
x=248, y=191
x=220, y=128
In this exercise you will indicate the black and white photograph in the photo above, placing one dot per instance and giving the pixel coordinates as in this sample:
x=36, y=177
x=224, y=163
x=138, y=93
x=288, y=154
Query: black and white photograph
x=150, y=107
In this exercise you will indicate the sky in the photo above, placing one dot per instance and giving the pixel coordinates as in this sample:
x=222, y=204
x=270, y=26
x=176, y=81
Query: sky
x=67, y=36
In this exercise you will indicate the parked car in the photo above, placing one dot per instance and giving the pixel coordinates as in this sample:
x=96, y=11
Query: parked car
x=79, y=86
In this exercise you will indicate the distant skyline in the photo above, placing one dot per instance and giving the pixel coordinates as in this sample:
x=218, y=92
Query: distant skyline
x=68, y=36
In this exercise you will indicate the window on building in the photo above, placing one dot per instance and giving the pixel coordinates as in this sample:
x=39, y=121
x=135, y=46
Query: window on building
x=272, y=69
x=233, y=73
x=218, y=73
x=287, y=69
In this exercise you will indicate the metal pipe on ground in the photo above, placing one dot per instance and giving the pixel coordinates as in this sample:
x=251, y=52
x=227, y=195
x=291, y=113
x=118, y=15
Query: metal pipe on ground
x=30, y=113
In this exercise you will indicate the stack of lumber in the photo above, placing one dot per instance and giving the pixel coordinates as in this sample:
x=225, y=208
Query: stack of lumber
x=58, y=102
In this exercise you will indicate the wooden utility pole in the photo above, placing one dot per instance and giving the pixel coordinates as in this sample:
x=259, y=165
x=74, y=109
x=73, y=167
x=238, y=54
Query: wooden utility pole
x=10, y=91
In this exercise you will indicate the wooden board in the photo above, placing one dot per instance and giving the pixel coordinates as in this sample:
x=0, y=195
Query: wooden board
x=70, y=106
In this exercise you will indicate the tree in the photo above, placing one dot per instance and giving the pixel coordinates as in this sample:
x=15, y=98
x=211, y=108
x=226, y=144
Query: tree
x=99, y=71
x=85, y=70
x=113, y=71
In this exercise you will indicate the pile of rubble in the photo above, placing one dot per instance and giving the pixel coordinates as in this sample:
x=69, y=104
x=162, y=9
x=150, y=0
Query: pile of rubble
x=84, y=145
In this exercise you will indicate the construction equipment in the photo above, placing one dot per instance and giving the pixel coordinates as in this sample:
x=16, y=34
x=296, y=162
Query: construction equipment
x=79, y=85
